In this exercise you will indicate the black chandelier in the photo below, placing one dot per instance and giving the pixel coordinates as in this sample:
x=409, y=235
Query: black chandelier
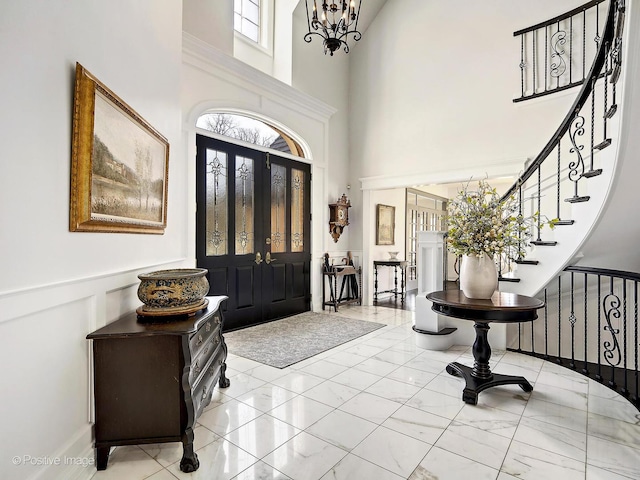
x=338, y=19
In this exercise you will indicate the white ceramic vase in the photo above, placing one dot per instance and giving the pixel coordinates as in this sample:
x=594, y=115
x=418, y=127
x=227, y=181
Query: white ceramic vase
x=478, y=276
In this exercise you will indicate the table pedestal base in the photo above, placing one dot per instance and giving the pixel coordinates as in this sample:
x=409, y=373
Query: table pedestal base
x=474, y=384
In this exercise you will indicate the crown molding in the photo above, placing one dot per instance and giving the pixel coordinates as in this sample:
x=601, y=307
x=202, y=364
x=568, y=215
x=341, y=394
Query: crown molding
x=463, y=174
x=202, y=55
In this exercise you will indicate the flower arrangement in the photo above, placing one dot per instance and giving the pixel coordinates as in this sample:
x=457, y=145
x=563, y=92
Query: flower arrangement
x=480, y=222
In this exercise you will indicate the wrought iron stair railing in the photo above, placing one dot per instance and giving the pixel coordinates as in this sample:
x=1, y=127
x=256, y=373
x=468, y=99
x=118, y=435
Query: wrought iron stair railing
x=569, y=159
x=589, y=324
x=555, y=54
x=590, y=319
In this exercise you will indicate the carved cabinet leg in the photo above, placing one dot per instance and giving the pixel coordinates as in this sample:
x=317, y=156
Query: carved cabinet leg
x=189, y=462
x=224, y=382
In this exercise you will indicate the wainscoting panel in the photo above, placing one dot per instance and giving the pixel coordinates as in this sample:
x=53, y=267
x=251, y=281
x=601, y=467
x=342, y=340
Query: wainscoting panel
x=50, y=386
x=121, y=300
x=48, y=402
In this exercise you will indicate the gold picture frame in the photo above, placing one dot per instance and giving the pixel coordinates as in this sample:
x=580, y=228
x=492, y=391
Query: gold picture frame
x=119, y=164
x=385, y=224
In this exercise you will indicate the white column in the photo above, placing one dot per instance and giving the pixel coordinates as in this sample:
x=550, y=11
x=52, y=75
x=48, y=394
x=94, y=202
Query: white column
x=431, y=329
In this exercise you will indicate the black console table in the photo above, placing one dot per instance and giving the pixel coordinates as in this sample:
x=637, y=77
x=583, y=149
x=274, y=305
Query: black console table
x=502, y=308
x=396, y=264
x=152, y=380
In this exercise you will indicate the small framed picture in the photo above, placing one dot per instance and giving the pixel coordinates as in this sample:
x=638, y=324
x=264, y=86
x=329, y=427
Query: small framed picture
x=385, y=224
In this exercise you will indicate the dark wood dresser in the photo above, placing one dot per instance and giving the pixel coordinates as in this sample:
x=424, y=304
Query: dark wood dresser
x=153, y=378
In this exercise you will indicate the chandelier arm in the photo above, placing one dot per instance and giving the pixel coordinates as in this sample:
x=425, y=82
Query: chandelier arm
x=307, y=37
x=306, y=5
x=358, y=16
x=356, y=35
x=318, y=25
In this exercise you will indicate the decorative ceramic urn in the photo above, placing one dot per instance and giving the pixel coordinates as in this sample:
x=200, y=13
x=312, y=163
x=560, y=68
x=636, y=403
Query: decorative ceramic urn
x=478, y=276
x=173, y=292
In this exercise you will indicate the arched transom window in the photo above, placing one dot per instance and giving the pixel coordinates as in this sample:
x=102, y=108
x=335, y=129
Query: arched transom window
x=249, y=130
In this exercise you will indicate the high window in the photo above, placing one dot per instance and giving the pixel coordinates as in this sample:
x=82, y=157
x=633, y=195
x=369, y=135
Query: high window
x=246, y=18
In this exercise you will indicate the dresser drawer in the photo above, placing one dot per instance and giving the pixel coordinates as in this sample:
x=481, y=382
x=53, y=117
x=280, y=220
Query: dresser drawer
x=199, y=339
x=201, y=393
x=199, y=362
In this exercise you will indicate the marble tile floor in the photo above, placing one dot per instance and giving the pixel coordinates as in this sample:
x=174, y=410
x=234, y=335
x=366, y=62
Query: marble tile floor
x=380, y=408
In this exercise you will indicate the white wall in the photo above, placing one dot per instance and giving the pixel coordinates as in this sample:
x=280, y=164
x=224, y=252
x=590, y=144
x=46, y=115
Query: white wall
x=212, y=22
x=394, y=198
x=423, y=79
x=57, y=286
x=431, y=96
x=327, y=78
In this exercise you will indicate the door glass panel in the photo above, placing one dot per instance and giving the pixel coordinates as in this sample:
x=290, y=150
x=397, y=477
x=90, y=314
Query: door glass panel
x=297, y=210
x=278, y=208
x=217, y=200
x=245, y=189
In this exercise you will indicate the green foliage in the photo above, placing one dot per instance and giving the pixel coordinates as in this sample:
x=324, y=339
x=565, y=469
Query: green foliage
x=479, y=222
x=106, y=165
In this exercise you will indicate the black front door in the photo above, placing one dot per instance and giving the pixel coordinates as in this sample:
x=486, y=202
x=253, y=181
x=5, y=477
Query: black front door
x=253, y=231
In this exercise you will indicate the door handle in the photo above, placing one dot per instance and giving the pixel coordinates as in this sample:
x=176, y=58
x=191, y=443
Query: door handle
x=259, y=258
x=268, y=258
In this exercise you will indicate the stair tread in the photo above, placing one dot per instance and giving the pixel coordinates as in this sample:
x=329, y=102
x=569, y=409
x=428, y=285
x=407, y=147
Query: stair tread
x=543, y=243
x=444, y=331
x=592, y=173
x=527, y=262
x=602, y=145
x=577, y=199
x=564, y=222
x=508, y=279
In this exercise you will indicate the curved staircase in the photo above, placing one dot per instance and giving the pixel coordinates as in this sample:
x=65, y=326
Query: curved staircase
x=572, y=178
x=586, y=179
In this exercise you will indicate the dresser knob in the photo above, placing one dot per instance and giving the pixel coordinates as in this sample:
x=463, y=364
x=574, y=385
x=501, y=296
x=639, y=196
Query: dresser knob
x=208, y=327
x=199, y=342
x=204, y=393
x=197, y=368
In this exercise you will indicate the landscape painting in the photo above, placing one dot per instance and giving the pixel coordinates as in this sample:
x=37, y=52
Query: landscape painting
x=119, y=164
x=385, y=224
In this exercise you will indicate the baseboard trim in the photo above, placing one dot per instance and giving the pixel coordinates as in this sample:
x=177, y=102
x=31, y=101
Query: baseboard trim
x=76, y=461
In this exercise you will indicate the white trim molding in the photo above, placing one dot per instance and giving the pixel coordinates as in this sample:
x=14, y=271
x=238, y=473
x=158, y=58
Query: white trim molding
x=510, y=167
x=202, y=55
